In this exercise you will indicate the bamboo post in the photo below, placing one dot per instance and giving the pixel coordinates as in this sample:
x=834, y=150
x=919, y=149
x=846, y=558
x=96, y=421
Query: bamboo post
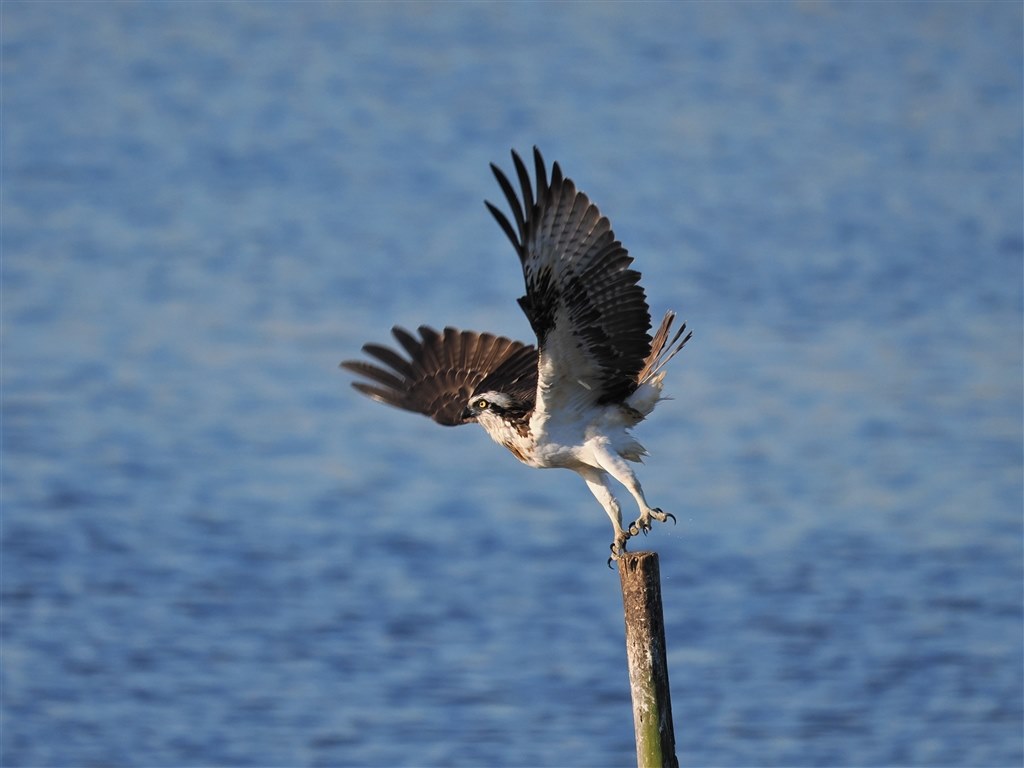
x=648, y=666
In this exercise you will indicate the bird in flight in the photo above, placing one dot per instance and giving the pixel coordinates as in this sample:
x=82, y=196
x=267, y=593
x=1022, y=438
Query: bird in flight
x=594, y=373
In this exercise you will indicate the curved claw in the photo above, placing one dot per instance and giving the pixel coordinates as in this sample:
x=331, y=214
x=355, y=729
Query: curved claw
x=612, y=555
x=618, y=548
x=638, y=525
x=663, y=516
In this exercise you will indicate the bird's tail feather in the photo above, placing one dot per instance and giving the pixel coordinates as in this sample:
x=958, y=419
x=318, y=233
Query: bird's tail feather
x=663, y=350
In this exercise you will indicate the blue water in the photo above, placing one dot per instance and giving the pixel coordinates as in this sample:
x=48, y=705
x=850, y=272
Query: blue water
x=214, y=552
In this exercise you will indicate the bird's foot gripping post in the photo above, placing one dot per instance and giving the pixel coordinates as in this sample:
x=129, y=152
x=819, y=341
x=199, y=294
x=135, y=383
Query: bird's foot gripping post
x=618, y=546
x=640, y=576
x=640, y=524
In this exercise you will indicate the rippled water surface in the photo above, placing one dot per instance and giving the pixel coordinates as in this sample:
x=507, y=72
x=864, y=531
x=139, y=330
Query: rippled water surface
x=216, y=553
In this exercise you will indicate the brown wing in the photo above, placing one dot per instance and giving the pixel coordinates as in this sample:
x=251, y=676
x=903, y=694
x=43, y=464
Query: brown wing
x=583, y=299
x=443, y=369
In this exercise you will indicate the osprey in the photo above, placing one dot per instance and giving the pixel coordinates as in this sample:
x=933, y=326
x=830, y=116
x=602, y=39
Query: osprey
x=595, y=372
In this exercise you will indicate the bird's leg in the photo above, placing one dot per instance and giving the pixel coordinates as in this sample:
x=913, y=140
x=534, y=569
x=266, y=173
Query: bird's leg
x=617, y=467
x=597, y=482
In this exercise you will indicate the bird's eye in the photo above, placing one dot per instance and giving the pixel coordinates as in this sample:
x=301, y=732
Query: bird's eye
x=482, y=404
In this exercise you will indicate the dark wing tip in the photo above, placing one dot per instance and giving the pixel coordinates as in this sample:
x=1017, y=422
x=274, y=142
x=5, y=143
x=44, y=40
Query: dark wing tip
x=525, y=204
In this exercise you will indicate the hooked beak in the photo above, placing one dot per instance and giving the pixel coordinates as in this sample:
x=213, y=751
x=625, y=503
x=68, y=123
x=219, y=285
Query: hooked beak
x=467, y=414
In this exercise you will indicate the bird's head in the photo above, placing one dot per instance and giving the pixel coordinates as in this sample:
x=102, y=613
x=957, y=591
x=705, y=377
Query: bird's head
x=483, y=406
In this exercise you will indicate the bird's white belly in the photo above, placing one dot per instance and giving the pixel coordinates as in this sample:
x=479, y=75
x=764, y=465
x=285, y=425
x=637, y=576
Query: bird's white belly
x=558, y=455
x=567, y=443
x=574, y=445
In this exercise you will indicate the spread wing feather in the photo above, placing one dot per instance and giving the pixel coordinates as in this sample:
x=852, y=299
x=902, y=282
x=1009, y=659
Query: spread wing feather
x=443, y=370
x=583, y=300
